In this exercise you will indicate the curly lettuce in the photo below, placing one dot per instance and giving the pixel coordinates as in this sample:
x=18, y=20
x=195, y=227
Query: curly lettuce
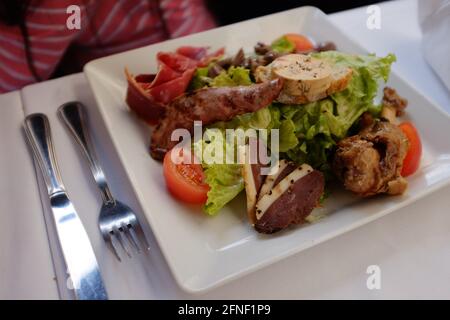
x=234, y=76
x=225, y=182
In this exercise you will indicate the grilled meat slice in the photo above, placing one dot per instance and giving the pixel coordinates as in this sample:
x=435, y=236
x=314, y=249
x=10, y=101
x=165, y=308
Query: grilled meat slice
x=210, y=105
x=290, y=201
x=371, y=161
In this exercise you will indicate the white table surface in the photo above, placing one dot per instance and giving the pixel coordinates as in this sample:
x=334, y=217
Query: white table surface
x=411, y=246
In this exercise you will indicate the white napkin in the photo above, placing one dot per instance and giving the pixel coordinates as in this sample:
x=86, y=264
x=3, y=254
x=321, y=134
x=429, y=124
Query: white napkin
x=434, y=19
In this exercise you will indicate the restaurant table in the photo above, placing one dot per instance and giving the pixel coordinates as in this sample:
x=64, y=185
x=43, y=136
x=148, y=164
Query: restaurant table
x=410, y=246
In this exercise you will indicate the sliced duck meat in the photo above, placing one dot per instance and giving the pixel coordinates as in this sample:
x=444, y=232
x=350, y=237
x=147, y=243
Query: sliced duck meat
x=284, y=168
x=290, y=201
x=210, y=105
x=290, y=167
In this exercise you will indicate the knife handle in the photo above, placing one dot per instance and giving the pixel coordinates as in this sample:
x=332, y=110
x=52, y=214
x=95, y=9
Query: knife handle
x=37, y=129
x=74, y=116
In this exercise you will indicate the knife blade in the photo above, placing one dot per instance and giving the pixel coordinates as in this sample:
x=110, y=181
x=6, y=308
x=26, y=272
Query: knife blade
x=74, y=242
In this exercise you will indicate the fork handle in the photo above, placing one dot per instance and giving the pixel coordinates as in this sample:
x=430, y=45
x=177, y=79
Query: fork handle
x=37, y=130
x=74, y=116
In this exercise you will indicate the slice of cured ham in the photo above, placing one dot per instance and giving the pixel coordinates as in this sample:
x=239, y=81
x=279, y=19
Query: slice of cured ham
x=148, y=94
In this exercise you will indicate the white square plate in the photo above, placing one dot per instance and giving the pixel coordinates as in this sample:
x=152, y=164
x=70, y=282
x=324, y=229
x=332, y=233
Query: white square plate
x=203, y=252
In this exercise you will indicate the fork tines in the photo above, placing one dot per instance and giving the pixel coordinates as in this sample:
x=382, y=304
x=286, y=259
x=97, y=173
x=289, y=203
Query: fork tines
x=124, y=235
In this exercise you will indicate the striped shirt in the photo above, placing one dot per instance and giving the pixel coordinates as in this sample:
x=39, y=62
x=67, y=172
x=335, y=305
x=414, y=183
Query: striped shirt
x=106, y=27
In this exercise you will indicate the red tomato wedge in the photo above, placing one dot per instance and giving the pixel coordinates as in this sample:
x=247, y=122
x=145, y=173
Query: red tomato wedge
x=185, y=179
x=412, y=159
x=302, y=43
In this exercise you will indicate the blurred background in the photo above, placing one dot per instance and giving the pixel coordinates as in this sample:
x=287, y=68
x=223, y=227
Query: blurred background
x=230, y=11
x=36, y=43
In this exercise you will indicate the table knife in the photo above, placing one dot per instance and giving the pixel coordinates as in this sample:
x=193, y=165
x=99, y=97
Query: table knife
x=78, y=254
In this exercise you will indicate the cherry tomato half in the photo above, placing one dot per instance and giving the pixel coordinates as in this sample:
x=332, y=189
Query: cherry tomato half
x=412, y=159
x=302, y=43
x=185, y=179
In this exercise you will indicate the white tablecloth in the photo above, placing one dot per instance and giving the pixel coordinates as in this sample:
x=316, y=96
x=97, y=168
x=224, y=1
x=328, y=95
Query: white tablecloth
x=410, y=246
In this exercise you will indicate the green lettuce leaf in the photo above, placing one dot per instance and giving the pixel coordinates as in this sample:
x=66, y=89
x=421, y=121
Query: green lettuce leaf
x=234, y=76
x=368, y=71
x=288, y=139
x=200, y=79
x=225, y=182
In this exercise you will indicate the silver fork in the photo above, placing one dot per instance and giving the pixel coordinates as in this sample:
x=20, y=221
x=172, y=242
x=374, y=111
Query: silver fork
x=117, y=222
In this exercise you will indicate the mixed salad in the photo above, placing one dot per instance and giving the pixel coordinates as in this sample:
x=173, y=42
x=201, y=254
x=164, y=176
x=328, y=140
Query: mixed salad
x=322, y=104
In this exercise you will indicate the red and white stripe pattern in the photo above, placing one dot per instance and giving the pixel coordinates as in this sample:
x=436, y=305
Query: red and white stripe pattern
x=107, y=27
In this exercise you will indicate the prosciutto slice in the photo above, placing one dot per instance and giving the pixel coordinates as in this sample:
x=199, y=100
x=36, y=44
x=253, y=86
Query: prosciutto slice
x=148, y=94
